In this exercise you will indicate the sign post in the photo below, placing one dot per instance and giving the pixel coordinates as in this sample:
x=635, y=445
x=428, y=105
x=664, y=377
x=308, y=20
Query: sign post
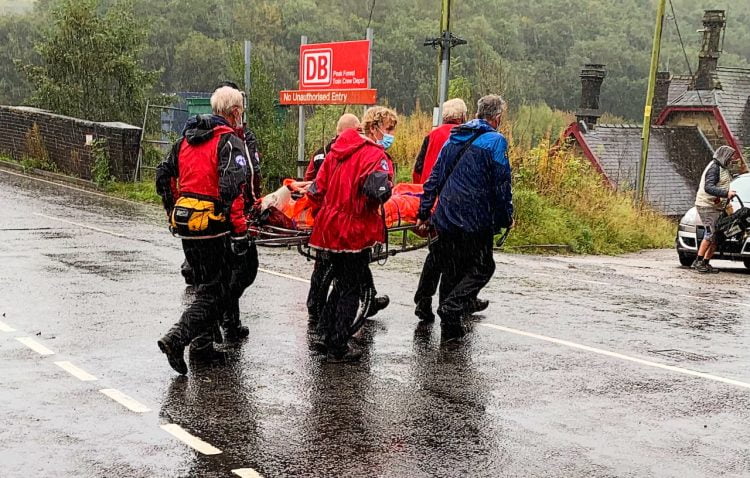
x=301, y=133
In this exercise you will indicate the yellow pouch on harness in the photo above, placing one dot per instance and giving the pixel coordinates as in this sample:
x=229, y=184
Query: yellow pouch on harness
x=194, y=215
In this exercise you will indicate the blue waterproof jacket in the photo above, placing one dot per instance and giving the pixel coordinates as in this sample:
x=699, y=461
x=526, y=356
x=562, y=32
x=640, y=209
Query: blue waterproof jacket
x=476, y=196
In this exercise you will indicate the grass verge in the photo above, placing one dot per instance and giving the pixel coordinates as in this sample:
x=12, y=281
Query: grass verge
x=144, y=191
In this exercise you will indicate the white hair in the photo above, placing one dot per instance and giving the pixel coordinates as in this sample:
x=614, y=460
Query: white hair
x=453, y=110
x=224, y=99
x=490, y=106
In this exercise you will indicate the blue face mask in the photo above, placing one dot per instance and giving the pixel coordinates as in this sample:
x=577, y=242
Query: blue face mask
x=387, y=140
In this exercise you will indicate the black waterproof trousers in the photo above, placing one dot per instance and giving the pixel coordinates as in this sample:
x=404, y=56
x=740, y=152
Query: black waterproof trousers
x=320, y=282
x=350, y=272
x=466, y=265
x=244, y=271
x=428, y=282
x=211, y=261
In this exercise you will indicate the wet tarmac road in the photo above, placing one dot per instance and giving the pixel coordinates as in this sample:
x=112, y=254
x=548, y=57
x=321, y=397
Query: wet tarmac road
x=581, y=366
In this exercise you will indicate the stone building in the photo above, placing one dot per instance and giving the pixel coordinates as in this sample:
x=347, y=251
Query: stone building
x=692, y=116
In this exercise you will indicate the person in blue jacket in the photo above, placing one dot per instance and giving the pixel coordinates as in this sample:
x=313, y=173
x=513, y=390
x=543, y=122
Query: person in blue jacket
x=471, y=183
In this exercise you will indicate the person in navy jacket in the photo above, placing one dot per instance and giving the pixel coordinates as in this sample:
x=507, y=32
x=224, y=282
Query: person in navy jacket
x=471, y=182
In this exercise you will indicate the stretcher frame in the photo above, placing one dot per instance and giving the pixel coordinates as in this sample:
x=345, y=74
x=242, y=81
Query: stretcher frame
x=274, y=236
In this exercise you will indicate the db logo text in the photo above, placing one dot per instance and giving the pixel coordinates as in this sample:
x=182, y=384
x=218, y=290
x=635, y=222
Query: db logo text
x=317, y=68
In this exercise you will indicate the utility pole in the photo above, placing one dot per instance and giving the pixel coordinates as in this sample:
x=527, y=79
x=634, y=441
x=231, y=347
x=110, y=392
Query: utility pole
x=446, y=41
x=646, y=134
x=301, y=132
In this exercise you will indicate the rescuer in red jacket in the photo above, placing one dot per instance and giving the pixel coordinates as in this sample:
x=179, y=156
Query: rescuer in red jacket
x=201, y=184
x=355, y=180
x=454, y=114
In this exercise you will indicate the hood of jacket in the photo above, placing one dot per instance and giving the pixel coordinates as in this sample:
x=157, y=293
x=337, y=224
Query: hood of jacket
x=723, y=155
x=347, y=143
x=464, y=132
x=200, y=128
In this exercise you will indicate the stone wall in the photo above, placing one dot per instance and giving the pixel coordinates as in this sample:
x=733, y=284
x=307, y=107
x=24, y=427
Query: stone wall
x=66, y=142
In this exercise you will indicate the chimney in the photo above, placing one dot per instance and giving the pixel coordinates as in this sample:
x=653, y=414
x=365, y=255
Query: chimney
x=592, y=76
x=713, y=25
x=661, y=94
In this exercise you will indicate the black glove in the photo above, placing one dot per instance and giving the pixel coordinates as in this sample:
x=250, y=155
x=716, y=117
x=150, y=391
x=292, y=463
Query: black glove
x=240, y=245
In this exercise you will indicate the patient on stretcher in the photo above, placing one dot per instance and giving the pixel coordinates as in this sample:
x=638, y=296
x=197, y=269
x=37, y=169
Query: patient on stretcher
x=289, y=207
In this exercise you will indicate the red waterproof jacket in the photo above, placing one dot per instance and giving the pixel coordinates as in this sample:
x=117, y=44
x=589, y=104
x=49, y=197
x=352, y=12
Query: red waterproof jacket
x=209, y=162
x=348, y=221
x=428, y=155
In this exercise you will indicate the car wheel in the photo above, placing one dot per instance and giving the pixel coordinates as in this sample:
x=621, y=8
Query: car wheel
x=687, y=259
x=747, y=263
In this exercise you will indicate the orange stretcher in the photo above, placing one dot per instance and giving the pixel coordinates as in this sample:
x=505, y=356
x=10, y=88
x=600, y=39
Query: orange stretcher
x=285, y=218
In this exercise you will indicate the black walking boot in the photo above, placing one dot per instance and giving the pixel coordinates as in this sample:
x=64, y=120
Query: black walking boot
x=236, y=334
x=424, y=311
x=477, y=305
x=378, y=304
x=175, y=354
x=349, y=354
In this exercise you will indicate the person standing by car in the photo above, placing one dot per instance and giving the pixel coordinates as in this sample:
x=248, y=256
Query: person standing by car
x=201, y=184
x=471, y=183
x=355, y=180
x=710, y=201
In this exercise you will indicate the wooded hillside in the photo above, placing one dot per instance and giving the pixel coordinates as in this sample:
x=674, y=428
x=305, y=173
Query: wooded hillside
x=528, y=51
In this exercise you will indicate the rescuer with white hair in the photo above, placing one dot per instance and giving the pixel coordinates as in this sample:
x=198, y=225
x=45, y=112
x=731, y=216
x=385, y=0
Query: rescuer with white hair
x=201, y=185
x=454, y=114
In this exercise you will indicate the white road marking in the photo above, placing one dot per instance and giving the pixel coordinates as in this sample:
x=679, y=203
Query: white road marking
x=286, y=276
x=190, y=440
x=81, y=225
x=35, y=346
x=247, y=473
x=67, y=186
x=6, y=328
x=78, y=373
x=124, y=400
x=620, y=356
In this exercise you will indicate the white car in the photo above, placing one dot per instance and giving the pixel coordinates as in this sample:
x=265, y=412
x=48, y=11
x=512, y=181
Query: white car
x=690, y=231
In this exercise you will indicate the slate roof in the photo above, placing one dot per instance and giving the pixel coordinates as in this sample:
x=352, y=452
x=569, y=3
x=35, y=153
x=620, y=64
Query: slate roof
x=677, y=157
x=678, y=85
x=732, y=97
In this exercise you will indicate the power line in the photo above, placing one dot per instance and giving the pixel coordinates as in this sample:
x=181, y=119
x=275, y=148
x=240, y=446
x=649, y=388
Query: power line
x=687, y=62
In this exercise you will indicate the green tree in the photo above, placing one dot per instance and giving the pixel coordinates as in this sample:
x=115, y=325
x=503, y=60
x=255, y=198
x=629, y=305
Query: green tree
x=90, y=66
x=17, y=37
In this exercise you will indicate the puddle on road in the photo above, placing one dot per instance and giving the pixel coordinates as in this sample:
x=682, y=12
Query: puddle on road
x=724, y=323
x=114, y=265
x=55, y=234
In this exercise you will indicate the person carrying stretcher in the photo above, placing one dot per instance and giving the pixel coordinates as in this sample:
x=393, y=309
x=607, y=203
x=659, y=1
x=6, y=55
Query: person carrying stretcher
x=354, y=181
x=320, y=279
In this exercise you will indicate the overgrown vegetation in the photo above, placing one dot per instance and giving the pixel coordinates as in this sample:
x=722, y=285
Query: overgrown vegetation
x=560, y=199
x=100, y=173
x=142, y=191
x=35, y=154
